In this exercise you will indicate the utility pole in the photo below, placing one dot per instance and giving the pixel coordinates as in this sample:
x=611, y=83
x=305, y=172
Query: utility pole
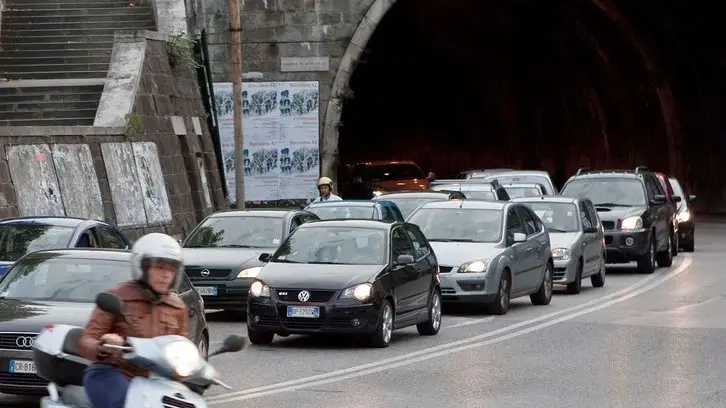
x=235, y=30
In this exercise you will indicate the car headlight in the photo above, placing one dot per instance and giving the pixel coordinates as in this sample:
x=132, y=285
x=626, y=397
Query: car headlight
x=474, y=267
x=360, y=292
x=684, y=215
x=561, y=254
x=249, y=272
x=378, y=193
x=259, y=289
x=183, y=357
x=632, y=223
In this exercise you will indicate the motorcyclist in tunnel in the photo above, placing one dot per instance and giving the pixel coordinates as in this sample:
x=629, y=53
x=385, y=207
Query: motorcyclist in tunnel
x=325, y=187
x=153, y=309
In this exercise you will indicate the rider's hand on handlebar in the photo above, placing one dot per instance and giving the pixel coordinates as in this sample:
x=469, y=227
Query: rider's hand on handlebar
x=112, y=339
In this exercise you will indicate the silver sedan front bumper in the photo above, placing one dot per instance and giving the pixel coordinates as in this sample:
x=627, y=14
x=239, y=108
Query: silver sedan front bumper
x=565, y=271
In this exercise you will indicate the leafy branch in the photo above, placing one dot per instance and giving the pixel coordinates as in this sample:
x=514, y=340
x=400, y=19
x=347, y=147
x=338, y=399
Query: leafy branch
x=180, y=49
x=133, y=124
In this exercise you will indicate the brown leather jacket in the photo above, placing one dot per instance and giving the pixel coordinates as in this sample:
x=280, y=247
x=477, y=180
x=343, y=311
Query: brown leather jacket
x=166, y=316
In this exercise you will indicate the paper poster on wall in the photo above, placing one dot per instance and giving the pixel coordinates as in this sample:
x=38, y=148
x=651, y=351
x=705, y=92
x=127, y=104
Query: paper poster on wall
x=280, y=124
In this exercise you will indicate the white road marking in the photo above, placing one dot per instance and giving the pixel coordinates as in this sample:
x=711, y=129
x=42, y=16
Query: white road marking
x=456, y=346
x=469, y=322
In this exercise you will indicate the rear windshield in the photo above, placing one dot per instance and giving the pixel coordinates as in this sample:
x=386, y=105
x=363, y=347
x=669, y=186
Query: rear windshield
x=18, y=239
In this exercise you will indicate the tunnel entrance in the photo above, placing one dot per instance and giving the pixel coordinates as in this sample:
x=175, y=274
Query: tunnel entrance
x=523, y=84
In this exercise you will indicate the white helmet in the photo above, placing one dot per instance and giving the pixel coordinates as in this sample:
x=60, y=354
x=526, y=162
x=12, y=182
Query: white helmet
x=160, y=247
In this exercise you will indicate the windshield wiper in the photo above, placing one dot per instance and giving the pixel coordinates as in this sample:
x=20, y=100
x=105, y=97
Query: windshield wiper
x=236, y=246
x=451, y=240
x=611, y=205
x=284, y=261
x=555, y=230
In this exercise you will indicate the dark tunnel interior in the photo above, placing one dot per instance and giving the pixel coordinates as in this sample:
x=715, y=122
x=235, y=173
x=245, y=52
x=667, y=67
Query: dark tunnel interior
x=455, y=85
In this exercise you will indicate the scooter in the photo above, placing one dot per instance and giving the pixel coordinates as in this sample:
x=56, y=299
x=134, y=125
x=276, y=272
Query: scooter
x=167, y=358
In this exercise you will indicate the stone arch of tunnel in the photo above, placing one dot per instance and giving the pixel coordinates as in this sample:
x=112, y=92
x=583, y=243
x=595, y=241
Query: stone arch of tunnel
x=601, y=83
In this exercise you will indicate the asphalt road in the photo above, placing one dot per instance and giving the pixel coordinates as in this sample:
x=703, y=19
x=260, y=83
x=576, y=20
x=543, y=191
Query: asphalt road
x=641, y=341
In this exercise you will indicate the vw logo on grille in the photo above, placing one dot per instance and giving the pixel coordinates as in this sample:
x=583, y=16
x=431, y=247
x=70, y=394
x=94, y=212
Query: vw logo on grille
x=303, y=296
x=205, y=272
x=24, y=341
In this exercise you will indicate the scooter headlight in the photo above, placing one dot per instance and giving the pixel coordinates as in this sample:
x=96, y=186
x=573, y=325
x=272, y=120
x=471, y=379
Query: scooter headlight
x=183, y=357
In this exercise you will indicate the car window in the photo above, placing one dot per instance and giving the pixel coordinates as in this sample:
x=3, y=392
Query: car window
x=400, y=243
x=459, y=224
x=593, y=214
x=529, y=224
x=514, y=225
x=237, y=232
x=111, y=239
x=386, y=213
x=607, y=191
x=585, y=218
x=334, y=245
x=342, y=211
x=419, y=242
x=88, y=239
x=309, y=218
x=294, y=223
x=18, y=239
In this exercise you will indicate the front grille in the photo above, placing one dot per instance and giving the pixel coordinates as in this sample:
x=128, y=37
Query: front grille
x=445, y=269
x=608, y=239
x=559, y=273
x=14, y=379
x=302, y=323
x=446, y=290
x=608, y=225
x=16, y=341
x=170, y=402
x=290, y=295
x=195, y=273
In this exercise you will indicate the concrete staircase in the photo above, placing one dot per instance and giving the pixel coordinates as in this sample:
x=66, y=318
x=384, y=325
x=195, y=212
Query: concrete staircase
x=54, y=57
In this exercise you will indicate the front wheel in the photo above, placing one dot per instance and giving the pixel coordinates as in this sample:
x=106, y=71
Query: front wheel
x=544, y=295
x=665, y=257
x=598, y=280
x=575, y=287
x=500, y=305
x=432, y=326
x=384, y=331
x=259, y=337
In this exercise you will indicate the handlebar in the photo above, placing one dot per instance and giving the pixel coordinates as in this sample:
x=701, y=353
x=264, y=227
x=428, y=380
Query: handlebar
x=115, y=347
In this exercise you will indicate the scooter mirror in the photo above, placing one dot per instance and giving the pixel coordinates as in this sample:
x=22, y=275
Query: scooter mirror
x=109, y=304
x=231, y=344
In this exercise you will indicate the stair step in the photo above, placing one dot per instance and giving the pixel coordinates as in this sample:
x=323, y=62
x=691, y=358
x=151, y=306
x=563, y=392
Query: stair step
x=58, y=44
x=87, y=25
x=47, y=4
x=49, y=21
x=57, y=53
x=94, y=97
x=64, y=74
x=41, y=13
x=10, y=109
x=54, y=67
x=46, y=60
x=36, y=91
x=49, y=122
x=52, y=114
x=108, y=38
x=110, y=29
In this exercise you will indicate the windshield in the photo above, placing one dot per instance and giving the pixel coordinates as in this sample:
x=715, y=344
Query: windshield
x=520, y=179
x=334, y=245
x=459, y=224
x=518, y=192
x=339, y=212
x=395, y=172
x=62, y=279
x=607, y=192
x=480, y=195
x=408, y=205
x=237, y=232
x=558, y=217
x=18, y=239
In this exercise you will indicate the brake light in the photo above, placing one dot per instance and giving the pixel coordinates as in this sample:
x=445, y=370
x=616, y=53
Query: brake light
x=49, y=327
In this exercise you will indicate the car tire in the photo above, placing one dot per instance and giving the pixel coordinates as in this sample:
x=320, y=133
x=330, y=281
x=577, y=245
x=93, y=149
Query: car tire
x=259, y=337
x=598, y=280
x=575, y=287
x=384, y=329
x=432, y=326
x=690, y=244
x=665, y=257
x=500, y=305
x=543, y=296
x=203, y=347
x=646, y=262
x=675, y=244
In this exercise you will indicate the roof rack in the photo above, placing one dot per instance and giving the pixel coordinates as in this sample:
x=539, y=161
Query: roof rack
x=583, y=170
x=641, y=169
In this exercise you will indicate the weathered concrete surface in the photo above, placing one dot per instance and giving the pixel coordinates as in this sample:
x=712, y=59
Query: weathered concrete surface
x=124, y=73
x=171, y=16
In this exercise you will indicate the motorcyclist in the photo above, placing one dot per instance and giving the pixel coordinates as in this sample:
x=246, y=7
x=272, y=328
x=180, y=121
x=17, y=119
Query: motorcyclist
x=325, y=187
x=153, y=309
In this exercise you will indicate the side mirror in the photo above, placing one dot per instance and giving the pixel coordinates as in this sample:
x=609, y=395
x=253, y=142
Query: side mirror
x=519, y=237
x=109, y=303
x=658, y=199
x=404, y=260
x=590, y=230
x=692, y=198
x=265, y=257
x=676, y=199
x=231, y=344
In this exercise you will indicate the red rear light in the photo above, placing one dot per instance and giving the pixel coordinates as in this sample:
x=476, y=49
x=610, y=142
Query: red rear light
x=48, y=327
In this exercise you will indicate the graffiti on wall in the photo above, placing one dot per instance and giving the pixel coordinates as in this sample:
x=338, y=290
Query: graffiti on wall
x=136, y=182
x=58, y=181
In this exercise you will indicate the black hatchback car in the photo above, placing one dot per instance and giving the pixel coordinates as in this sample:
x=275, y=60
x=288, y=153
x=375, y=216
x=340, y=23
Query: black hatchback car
x=363, y=278
x=59, y=287
x=634, y=211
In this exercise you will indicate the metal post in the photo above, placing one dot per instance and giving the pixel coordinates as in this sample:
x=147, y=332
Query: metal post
x=236, y=72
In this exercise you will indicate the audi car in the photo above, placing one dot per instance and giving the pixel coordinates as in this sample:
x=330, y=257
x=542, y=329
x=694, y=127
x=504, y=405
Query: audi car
x=222, y=252
x=357, y=277
x=60, y=287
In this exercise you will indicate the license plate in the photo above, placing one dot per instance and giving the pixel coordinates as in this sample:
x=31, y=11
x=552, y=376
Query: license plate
x=312, y=312
x=207, y=290
x=21, y=366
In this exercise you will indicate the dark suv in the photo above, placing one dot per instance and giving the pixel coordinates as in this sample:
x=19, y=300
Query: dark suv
x=634, y=212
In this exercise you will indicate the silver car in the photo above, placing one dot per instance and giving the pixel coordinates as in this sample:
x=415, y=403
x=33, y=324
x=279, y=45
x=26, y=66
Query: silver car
x=577, y=236
x=488, y=252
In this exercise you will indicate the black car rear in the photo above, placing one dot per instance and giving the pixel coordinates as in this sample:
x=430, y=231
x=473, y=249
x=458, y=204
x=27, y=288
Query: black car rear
x=634, y=211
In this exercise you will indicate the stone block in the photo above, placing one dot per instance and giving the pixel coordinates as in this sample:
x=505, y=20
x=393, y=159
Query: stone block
x=163, y=105
x=263, y=19
x=145, y=105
